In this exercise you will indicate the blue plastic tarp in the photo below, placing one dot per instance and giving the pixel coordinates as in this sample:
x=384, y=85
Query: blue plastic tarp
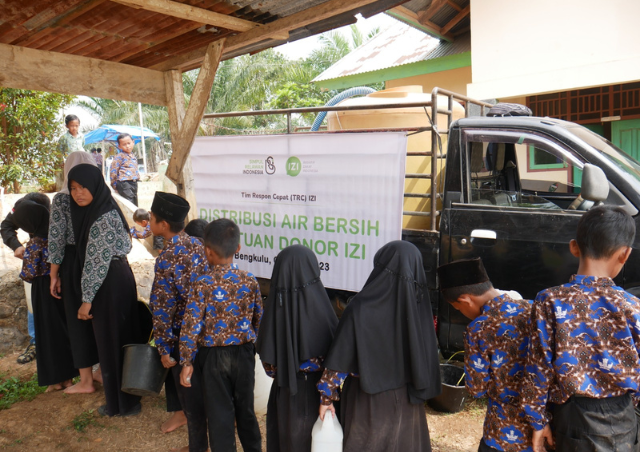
x=111, y=132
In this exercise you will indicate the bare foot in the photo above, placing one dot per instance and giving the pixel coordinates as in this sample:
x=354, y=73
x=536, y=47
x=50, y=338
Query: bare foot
x=55, y=387
x=80, y=388
x=182, y=449
x=66, y=384
x=177, y=419
x=97, y=375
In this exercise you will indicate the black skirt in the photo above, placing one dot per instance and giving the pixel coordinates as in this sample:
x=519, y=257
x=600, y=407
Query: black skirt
x=384, y=422
x=83, y=342
x=116, y=324
x=54, y=360
x=290, y=418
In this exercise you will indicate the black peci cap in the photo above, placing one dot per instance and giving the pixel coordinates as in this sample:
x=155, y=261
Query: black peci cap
x=170, y=207
x=464, y=272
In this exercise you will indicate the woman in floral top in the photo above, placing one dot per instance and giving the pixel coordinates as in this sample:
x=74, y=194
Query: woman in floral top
x=65, y=279
x=54, y=360
x=108, y=287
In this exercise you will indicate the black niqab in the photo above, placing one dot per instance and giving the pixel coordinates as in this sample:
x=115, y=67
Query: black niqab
x=386, y=334
x=298, y=322
x=82, y=218
x=32, y=217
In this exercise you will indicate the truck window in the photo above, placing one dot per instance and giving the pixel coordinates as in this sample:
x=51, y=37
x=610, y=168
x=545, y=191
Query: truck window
x=521, y=171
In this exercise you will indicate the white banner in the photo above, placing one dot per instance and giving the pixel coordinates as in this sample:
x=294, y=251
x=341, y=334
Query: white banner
x=339, y=194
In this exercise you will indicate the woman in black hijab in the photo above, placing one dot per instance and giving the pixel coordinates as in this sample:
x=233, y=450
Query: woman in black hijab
x=386, y=346
x=54, y=360
x=295, y=334
x=109, y=297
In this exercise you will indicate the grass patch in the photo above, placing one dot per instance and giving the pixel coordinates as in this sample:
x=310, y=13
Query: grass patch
x=82, y=421
x=14, y=390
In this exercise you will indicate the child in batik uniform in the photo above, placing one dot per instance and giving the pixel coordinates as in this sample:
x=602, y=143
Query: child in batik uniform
x=583, y=367
x=179, y=264
x=220, y=325
x=495, y=347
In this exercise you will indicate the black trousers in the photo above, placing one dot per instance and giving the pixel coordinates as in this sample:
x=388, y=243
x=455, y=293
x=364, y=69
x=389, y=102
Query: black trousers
x=192, y=404
x=485, y=448
x=116, y=324
x=584, y=424
x=171, y=392
x=290, y=418
x=83, y=341
x=228, y=375
x=128, y=189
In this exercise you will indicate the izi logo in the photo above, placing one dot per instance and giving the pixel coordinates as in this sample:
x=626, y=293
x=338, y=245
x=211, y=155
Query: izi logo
x=270, y=167
x=293, y=166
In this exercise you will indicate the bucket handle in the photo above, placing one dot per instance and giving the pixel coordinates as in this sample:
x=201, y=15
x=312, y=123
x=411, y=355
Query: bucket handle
x=464, y=373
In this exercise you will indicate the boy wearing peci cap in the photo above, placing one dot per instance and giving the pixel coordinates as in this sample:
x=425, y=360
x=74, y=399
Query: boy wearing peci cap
x=177, y=266
x=495, y=349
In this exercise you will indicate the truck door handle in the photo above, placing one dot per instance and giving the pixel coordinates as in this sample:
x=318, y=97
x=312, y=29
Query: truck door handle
x=484, y=234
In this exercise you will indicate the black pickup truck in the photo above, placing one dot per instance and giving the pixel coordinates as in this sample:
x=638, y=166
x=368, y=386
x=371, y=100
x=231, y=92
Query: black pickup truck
x=513, y=192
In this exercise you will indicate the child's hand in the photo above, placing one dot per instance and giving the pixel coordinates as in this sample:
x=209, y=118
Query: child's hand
x=325, y=408
x=19, y=252
x=185, y=376
x=167, y=361
x=83, y=312
x=538, y=439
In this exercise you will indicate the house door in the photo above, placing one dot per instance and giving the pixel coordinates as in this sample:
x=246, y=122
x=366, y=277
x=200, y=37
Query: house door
x=626, y=135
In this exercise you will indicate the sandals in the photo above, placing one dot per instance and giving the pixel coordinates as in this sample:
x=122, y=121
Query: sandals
x=28, y=355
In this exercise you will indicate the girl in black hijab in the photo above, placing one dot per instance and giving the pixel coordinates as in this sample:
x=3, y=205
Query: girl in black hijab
x=109, y=294
x=295, y=334
x=54, y=360
x=386, y=346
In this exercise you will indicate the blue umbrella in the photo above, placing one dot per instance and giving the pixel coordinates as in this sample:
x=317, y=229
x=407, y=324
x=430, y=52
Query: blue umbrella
x=111, y=132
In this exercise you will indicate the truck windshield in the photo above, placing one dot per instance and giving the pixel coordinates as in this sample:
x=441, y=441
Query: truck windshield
x=617, y=156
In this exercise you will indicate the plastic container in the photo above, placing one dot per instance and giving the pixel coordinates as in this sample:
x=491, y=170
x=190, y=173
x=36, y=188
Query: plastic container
x=452, y=398
x=261, y=389
x=143, y=373
x=401, y=118
x=326, y=435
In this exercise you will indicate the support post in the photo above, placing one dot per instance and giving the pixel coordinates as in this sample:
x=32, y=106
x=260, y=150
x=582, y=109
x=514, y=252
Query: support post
x=184, y=123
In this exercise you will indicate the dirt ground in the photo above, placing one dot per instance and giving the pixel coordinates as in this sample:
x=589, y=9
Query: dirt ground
x=47, y=423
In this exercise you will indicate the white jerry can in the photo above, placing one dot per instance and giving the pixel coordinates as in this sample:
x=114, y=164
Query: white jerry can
x=326, y=435
x=261, y=389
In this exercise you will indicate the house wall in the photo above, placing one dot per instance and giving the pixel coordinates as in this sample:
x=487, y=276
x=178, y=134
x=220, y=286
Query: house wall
x=455, y=80
x=522, y=48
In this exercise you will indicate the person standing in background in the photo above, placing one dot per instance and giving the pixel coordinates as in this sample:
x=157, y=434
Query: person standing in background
x=73, y=140
x=124, y=170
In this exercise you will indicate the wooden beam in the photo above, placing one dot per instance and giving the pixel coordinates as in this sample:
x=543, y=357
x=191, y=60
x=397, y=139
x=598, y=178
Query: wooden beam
x=184, y=124
x=454, y=6
x=406, y=15
x=195, y=14
x=432, y=9
x=270, y=31
x=41, y=70
x=456, y=20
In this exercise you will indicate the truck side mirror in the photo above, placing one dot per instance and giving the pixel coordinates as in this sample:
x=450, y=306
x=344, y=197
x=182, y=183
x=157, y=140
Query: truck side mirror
x=595, y=186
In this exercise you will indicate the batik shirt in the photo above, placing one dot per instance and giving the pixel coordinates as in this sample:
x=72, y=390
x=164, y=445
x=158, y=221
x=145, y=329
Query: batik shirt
x=136, y=234
x=107, y=239
x=177, y=267
x=585, y=342
x=34, y=262
x=68, y=143
x=60, y=227
x=124, y=167
x=310, y=365
x=329, y=385
x=495, y=350
x=224, y=308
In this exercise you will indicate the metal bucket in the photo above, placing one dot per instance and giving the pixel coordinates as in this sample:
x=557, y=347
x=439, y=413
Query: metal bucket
x=452, y=398
x=143, y=373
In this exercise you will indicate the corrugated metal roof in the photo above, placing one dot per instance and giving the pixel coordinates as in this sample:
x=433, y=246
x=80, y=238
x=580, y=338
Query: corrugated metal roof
x=112, y=31
x=398, y=45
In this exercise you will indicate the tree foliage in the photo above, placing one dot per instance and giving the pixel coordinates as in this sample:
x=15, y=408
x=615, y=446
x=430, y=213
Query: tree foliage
x=29, y=129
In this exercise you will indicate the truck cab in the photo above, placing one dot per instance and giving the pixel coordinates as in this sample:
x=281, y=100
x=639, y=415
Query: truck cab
x=512, y=196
